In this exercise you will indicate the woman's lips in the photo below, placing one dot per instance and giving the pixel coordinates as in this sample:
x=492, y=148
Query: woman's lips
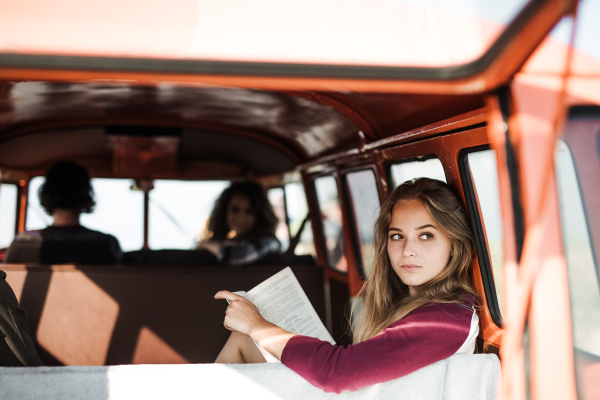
x=410, y=267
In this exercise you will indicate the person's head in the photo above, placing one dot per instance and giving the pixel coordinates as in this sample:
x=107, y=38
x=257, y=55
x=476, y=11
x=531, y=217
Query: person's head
x=243, y=208
x=67, y=187
x=423, y=251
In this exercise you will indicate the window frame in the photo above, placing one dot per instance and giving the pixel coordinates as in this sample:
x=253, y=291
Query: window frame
x=480, y=237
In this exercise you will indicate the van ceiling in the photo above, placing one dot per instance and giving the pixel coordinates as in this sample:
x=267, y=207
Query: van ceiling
x=262, y=132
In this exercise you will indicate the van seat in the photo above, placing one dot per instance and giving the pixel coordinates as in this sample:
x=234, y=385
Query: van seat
x=103, y=315
x=174, y=257
x=459, y=377
x=169, y=257
x=81, y=251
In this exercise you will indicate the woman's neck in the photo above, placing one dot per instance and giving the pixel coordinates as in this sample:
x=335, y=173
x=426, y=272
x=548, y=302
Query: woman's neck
x=64, y=217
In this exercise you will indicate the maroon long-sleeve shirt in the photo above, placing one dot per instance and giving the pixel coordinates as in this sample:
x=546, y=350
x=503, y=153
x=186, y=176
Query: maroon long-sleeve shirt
x=425, y=336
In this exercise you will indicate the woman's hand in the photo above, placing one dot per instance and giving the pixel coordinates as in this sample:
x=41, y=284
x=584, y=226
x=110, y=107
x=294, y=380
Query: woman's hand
x=211, y=245
x=241, y=315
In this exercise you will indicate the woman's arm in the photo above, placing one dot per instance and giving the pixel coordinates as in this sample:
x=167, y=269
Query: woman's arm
x=248, y=251
x=211, y=245
x=243, y=316
x=425, y=336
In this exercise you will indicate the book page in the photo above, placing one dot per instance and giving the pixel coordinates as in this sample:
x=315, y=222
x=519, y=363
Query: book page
x=282, y=301
x=268, y=356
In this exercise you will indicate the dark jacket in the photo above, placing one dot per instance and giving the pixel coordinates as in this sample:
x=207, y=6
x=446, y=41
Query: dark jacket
x=16, y=347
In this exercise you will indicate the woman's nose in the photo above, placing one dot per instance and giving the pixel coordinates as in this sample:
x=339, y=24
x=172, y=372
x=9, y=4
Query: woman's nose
x=409, y=248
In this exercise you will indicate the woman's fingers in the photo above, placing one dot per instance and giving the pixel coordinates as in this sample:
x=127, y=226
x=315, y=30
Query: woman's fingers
x=241, y=314
x=226, y=295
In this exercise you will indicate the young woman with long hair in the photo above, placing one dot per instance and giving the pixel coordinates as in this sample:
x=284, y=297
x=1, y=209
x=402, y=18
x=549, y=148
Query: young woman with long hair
x=419, y=303
x=241, y=226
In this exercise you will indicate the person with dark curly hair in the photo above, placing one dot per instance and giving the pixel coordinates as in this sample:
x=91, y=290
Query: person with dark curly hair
x=65, y=195
x=241, y=227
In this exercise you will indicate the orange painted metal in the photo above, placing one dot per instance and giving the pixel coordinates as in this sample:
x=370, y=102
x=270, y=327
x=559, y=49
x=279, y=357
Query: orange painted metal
x=537, y=291
x=511, y=350
x=22, y=205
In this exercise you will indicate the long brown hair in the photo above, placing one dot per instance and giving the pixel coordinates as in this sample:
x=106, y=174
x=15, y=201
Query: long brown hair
x=386, y=297
x=265, y=221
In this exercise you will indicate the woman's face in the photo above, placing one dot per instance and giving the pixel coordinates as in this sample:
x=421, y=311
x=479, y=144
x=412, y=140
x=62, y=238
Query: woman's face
x=417, y=248
x=240, y=217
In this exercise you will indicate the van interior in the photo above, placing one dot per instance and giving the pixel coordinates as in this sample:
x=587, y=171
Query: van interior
x=159, y=158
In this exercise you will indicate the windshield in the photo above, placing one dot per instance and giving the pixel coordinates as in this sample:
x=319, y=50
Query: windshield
x=419, y=33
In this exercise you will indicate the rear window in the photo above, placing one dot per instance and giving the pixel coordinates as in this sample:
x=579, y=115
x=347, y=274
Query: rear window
x=119, y=211
x=429, y=167
x=179, y=211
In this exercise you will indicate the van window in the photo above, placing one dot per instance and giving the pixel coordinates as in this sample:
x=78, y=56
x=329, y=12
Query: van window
x=277, y=199
x=178, y=212
x=428, y=168
x=365, y=206
x=331, y=217
x=119, y=211
x=8, y=213
x=483, y=168
x=297, y=212
x=584, y=285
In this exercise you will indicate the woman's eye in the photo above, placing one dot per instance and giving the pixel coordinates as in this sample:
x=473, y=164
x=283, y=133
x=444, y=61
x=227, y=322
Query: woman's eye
x=425, y=236
x=396, y=236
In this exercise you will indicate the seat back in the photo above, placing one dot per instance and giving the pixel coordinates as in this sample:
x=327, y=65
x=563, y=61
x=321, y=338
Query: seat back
x=460, y=377
x=82, y=249
x=107, y=315
x=81, y=252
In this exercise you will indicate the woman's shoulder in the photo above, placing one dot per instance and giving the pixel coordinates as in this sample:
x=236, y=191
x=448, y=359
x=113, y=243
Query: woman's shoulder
x=459, y=312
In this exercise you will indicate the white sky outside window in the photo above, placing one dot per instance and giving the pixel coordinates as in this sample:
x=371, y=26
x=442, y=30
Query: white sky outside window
x=484, y=169
x=365, y=201
x=297, y=210
x=277, y=200
x=431, y=168
x=179, y=211
x=583, y=277
x=331, y=214
x=8, y=213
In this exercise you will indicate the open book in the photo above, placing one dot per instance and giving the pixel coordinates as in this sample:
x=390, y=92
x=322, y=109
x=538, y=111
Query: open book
x=281, y=301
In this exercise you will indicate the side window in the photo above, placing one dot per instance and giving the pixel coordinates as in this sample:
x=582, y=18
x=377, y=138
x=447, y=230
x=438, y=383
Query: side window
x=118, y=211
x=297, y=212
x=331, y=216
x=479, y=172
x=364, y=197
x=584, y=283
x=8, y=213
x=178, y=211
x=427, y=168
x=277, y=200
